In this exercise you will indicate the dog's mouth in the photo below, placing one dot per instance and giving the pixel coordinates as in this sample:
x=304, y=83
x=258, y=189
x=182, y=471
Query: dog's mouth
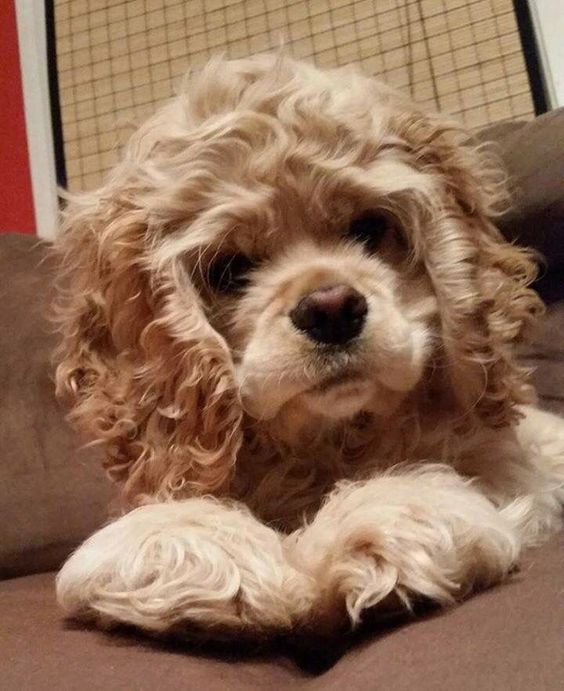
x=338, y=379
x=340, y=395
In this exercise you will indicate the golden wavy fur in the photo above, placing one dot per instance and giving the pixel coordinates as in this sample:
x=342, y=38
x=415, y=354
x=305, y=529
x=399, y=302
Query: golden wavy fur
x=180, y=355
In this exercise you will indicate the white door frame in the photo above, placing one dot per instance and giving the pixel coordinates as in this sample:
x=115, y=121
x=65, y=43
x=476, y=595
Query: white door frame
x=548, y=23
x=32, y=41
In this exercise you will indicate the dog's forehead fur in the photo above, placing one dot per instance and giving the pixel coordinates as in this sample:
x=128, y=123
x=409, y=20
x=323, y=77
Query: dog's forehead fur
x=312, y=102
x=278, y=150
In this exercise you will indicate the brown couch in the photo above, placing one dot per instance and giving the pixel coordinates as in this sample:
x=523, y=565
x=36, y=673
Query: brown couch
x=52, y=494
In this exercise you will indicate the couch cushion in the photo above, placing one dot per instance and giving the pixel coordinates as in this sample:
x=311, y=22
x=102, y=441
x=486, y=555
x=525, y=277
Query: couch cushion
x=509, y=637
x=51, y=494
x=546, y=358
x=534, y=157
x=533, y=154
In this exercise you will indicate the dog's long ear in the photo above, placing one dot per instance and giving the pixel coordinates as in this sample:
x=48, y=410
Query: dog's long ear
x=147, y=374
x=481, y=281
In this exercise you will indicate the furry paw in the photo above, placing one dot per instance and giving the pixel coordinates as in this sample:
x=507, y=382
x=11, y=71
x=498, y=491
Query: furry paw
x=196, y=566
x=385, y=544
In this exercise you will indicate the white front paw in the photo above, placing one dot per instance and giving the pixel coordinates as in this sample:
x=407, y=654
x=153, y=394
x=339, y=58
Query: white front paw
x=195, y=566
x=398, y=539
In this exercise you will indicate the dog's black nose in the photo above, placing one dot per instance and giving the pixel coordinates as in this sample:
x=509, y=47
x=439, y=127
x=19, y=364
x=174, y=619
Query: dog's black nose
x=334, y=315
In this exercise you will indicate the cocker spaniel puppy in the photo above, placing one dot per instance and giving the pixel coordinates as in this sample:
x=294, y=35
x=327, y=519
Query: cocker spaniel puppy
x=291, y=322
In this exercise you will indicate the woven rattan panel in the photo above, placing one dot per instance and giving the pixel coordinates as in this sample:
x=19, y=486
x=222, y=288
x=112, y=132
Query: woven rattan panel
x=118, y=60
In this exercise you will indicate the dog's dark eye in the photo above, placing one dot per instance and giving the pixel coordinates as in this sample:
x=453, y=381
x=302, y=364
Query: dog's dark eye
x=370, y=229
x=229, y=273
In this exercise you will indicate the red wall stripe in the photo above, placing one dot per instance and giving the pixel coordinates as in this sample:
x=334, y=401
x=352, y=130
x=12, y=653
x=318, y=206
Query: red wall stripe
x=16, y=198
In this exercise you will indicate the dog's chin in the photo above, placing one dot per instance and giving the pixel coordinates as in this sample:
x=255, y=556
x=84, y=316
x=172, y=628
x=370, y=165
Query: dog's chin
x=339, y=399
x=342, y=399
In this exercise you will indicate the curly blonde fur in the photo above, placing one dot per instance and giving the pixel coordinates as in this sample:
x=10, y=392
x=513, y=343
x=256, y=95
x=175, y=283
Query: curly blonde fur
x=220, y=417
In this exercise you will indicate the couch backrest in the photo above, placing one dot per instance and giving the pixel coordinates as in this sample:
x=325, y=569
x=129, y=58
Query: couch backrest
x=52, y=494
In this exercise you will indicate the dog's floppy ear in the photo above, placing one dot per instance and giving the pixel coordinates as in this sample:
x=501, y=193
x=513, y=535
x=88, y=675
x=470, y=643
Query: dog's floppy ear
x=481, y=281
x=147, y=374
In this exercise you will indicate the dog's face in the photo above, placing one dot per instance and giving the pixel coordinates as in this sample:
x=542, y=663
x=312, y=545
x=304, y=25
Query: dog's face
x=302, y=248
x=333, y=328
x=284, y=241
x=324, y=309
